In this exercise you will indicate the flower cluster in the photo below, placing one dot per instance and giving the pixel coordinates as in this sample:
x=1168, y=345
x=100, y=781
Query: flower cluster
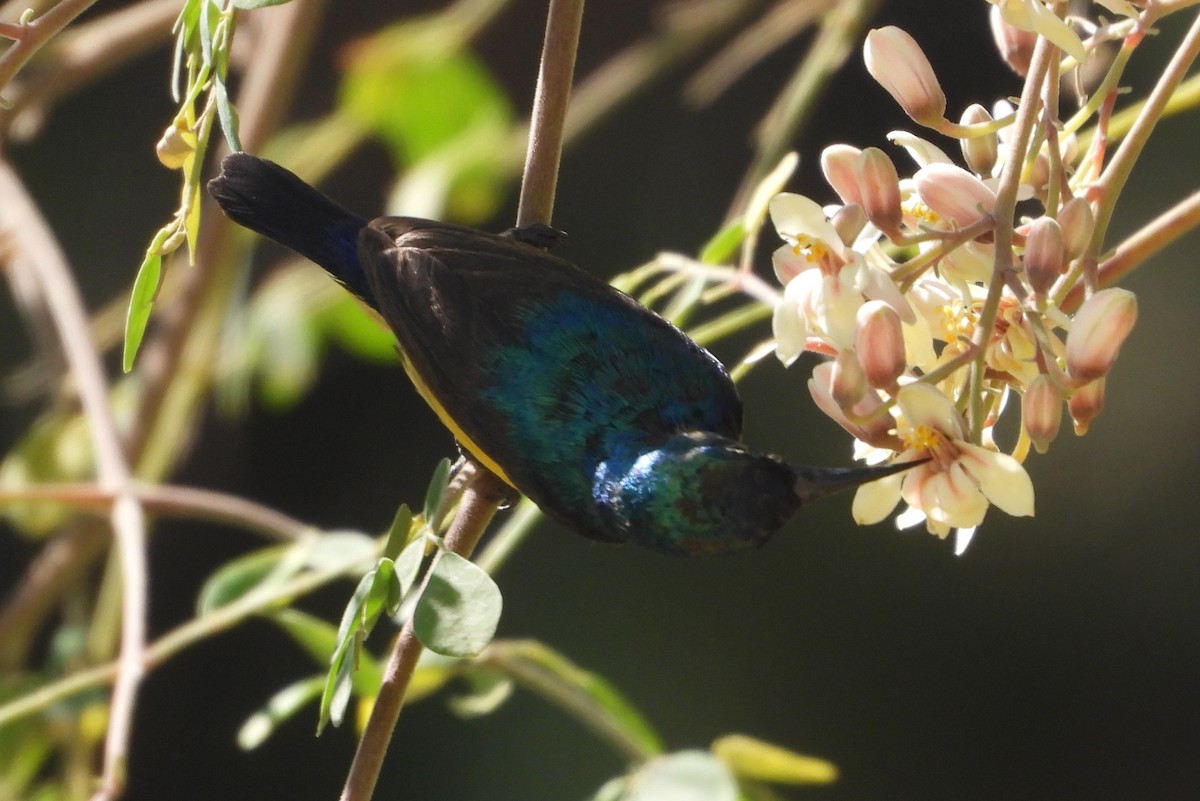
x=940, y=294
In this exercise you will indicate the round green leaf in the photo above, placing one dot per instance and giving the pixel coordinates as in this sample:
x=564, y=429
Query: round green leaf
x=459, y=609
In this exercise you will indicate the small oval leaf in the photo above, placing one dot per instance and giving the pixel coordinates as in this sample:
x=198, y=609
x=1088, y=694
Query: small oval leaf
x=459, y=609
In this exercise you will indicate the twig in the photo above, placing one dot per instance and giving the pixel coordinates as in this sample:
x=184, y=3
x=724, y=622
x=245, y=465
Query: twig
x=1117, y=172
x=1002, y=215
x=27, y=228
x=549, y=111
x=192, y=502
x=180, y=638
x=485, y=492
x=85, y=54
x=1148, y=240
x=30, y=36
x=174, y=364
x=480, y=500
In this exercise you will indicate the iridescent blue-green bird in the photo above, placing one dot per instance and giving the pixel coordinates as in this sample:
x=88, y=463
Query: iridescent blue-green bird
x=604, y=414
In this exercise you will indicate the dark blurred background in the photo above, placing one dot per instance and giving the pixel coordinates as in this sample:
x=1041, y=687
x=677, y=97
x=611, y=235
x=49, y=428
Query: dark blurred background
x=1056, y=659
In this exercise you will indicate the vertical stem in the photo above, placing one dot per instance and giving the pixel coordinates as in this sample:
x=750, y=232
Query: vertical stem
x=484, y=492
x=549, y=111
x=1006, y=204
x=21, y=221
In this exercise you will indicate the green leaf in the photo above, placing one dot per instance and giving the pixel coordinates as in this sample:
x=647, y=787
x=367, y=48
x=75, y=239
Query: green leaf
x=591, y=689
x=489, y=689
x=683, y=776
x=408, y=565
x=720, y=249
x=239, y=576
x=281, y=707
x=141, y=300
x=459, y=609
x=250, y=5
x=319, y=638
x=399, y=533
x=346, y=322
x=378, y=591
x=418, y=99
x=227, y=114
x=437, y=489
x=754, y=759
x=330, y=549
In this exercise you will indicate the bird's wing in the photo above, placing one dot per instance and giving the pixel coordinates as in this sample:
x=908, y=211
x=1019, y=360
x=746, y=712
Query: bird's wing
x=541, y=370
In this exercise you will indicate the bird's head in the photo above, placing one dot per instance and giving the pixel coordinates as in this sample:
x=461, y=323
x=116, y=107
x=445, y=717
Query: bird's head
x=701, y=493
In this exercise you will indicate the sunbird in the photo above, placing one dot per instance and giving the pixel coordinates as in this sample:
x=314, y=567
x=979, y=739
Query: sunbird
x=607, y=416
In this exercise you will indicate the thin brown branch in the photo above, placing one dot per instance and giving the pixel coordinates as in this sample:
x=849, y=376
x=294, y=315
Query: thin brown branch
x=83, y=55
x=479, y=503
x=32, y=239
x=550, y=102
x=34, y=35
x=176, y=501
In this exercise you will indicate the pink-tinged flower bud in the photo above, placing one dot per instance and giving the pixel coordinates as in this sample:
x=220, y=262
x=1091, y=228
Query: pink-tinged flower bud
x=871, y=423
x=980, y=152
x=1039, y=175
x=897, y=63
x=879, y=342
x=837, y=164
x=1041, y=412
x=1077, y=221
x=847, y=384
x=1098, y=331
x=954, y=194
x=1045, y=257
x=880, y=187
x=1085, y=405
x=1015, y=45
x=849, y=221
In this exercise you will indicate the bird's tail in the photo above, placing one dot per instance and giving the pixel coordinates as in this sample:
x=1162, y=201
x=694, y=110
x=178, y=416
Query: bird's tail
x=266, y=198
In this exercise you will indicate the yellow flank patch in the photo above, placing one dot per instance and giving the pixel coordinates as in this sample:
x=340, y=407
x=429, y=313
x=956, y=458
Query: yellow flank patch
x=448, y=421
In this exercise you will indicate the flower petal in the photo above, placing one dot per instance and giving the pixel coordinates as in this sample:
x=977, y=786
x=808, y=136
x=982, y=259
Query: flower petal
x=1001, y=478
x=795, y=214
x=925, y=405
x=875, y=500
x=791, y=331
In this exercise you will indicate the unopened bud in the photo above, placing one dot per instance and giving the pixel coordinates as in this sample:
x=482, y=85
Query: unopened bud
x=1041, y=412
x=880, y=187
x=1015, y=45
x=849, y=221
x=980, y=152
x=897, y=63
x=1098, y=331
x=1039, y=175
x=175, y=146
x=847, y=383
x=1044, y=254
x=838, y=166
x=954, y=193
x=1077, y=222
x=867, y=420
x=879, y=342
x=1085, y=405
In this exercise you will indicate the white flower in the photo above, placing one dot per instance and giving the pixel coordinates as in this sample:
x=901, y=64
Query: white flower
x=955, y=487
x=825, y=281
